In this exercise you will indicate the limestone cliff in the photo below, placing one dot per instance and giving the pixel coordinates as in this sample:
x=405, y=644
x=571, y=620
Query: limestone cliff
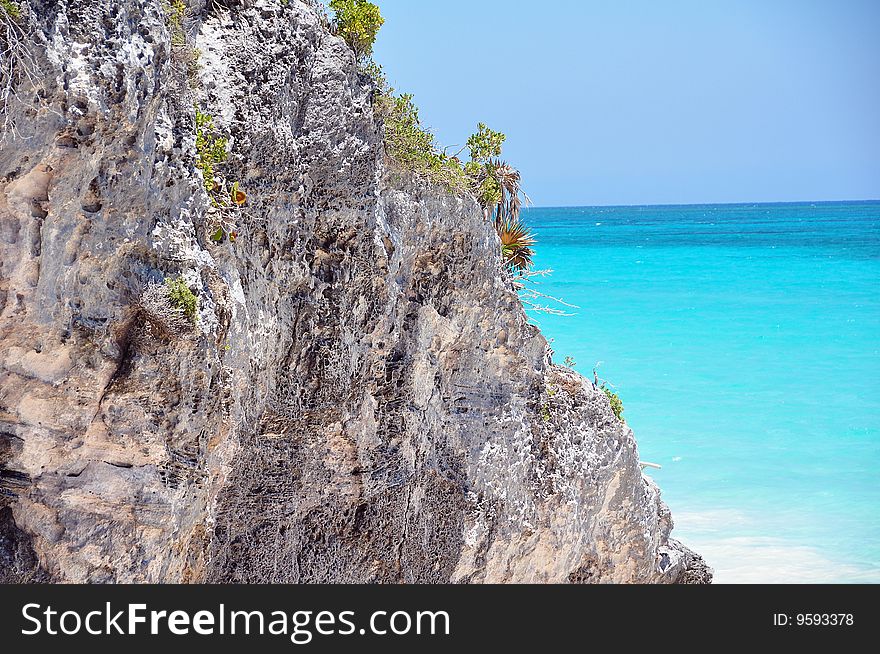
x=362, y=399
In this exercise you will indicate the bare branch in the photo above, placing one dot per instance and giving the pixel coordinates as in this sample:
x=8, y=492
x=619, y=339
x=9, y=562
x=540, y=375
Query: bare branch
x=525, y=281
x=544, y=309
x=17, y=65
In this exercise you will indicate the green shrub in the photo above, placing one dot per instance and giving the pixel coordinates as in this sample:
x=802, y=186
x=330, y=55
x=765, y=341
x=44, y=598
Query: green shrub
x=358, y=22
x=182, y=298
x=11, y=9
x=614, y=399
x=175, y=12
x=413, y=146
x=210, y=149
x=485, y=144
x=545, y=413
x=407, y=141
x=227, y=197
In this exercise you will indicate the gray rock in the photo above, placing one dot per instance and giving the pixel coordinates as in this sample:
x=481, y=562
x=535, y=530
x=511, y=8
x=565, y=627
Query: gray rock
x=363, y=398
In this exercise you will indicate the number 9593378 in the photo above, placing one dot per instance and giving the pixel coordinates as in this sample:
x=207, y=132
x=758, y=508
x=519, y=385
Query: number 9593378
x=823, y=619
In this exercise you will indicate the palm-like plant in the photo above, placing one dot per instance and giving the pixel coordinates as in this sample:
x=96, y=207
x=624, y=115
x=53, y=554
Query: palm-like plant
x=509, y=185
x=499, y=189
x=516, y=244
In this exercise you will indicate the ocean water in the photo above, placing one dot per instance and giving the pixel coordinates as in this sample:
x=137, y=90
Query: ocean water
x=744, y=341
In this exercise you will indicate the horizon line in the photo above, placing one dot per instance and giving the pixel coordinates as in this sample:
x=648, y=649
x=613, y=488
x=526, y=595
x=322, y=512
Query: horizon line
x=692, y=204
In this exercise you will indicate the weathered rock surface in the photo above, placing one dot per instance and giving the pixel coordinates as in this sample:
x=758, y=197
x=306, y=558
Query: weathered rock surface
x=363, y=398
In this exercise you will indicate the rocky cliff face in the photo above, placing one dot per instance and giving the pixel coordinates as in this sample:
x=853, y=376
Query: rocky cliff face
x=363, y=398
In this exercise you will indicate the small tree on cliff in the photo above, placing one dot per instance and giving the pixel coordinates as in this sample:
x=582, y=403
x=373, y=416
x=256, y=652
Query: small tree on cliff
x=358, y=22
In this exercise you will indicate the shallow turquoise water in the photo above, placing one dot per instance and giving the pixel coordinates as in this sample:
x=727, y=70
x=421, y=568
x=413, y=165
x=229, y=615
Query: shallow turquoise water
x=744, y=341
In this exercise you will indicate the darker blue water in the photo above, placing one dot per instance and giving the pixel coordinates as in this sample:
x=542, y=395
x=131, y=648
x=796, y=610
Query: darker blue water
x=744, y=341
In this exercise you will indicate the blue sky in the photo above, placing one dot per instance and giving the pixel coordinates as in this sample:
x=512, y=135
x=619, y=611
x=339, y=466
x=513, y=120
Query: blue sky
x=643, y=102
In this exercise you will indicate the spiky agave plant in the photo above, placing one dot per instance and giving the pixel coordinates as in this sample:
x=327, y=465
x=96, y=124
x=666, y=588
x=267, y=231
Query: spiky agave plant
x=516, y=244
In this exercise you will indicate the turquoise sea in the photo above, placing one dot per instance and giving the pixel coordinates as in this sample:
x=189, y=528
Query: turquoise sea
x=744, y=341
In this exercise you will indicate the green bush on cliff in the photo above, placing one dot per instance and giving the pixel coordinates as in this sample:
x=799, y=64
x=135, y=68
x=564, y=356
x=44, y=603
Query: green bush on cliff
x=407, y=141
x=485, y=144
x=358, y=22
x=11, y=9
x=225, y=194
x=175, y=13
x=614, y=399
x=413, y=146
x=210, y=149
x=182, y=298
